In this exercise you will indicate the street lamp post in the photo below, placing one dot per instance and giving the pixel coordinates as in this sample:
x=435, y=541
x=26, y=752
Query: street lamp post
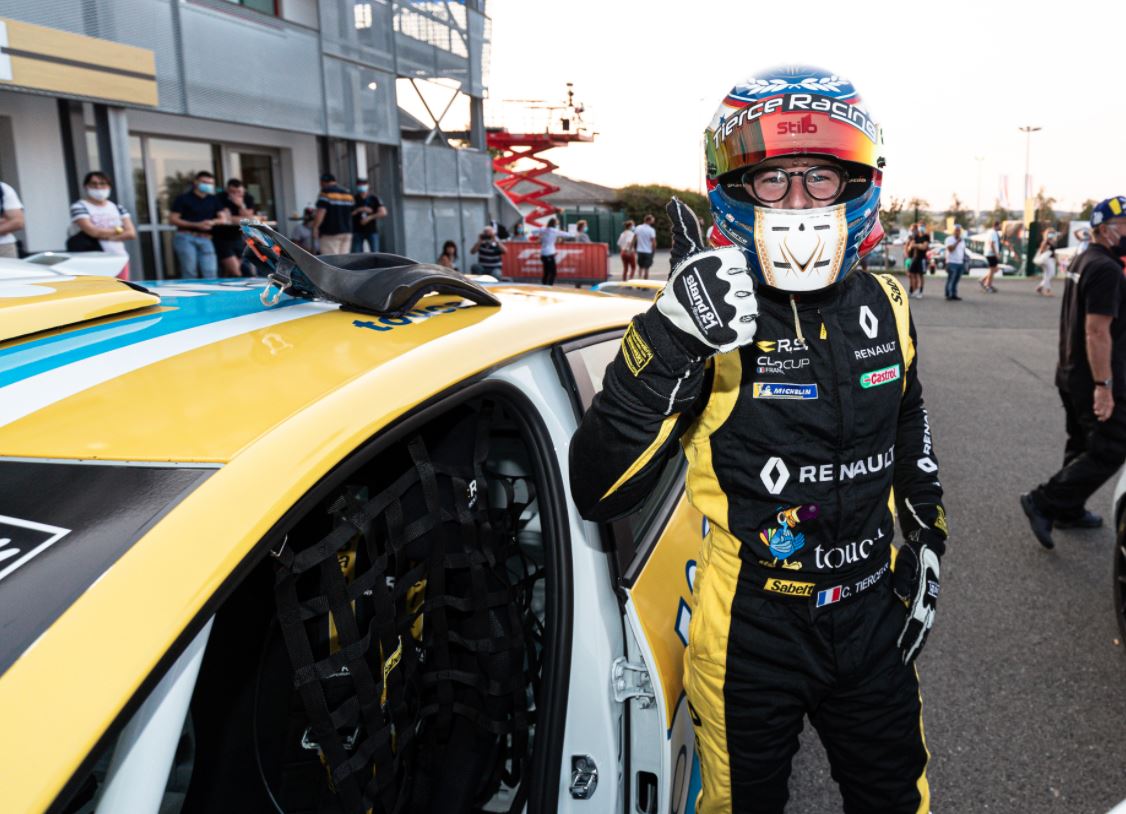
x=1029, y=217
x=977, y=210
x=1028, y=131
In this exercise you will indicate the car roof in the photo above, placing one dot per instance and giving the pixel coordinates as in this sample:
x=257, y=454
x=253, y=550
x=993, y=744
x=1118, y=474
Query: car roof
x=201, y=374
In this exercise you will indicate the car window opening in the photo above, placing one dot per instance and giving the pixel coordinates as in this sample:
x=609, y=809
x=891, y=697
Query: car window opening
x=388, y=656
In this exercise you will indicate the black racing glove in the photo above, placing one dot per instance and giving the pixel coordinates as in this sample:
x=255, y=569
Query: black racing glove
x=709, y=300
x=916, y=582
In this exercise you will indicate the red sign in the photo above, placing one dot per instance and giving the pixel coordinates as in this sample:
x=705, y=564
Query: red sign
x=577, y=263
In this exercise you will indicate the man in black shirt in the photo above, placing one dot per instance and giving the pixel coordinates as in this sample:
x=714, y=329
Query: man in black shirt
x=227, y=237
x=365, y=218
x=193, y=214
x=1091, y=378
x=332, y=227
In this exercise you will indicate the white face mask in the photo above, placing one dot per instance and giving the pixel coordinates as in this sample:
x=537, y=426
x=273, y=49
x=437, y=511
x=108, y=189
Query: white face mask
x=98, y=194
x=801, y=249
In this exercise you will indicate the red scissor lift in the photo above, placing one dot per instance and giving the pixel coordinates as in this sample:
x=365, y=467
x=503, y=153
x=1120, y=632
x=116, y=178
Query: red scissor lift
x=518, y=162
x=518, y=157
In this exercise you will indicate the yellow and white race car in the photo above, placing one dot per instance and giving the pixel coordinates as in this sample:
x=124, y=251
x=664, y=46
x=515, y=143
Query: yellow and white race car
x=268, y=553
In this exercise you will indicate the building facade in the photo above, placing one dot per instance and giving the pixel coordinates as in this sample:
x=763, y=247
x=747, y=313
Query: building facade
x=273, y=92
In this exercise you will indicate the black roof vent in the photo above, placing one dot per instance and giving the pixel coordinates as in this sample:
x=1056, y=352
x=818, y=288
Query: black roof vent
x=372, y=283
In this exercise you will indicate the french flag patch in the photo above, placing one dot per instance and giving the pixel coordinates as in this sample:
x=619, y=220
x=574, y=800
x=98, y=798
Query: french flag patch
x=829, y=596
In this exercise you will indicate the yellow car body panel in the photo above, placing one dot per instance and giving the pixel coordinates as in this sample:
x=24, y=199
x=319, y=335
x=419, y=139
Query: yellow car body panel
x=240, y=386
x=348, y=383
x=40, y=303
x=662, y=597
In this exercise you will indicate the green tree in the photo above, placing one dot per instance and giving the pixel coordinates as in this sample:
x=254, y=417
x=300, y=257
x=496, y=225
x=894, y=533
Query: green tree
x=1044, y=212
x=889, y=215
x=999, y=213
x=639, y=200
x=1087, y=210
x=916, y=209
x=963, y=217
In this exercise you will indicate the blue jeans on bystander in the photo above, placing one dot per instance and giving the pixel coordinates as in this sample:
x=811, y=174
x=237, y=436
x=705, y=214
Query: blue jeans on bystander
x=196, y=255
x=954, y=273
x=358, y=242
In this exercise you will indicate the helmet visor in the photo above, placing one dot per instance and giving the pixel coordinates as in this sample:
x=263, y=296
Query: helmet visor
x=796, y=124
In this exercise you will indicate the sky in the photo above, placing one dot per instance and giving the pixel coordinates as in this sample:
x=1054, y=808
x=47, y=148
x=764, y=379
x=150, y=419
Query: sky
x=949, y=82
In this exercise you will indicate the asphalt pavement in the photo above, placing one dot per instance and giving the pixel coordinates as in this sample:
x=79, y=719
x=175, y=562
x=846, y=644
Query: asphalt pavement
x=1024, y=676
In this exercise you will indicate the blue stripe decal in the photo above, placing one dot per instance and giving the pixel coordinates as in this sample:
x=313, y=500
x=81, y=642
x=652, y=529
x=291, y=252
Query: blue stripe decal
x=194, y=308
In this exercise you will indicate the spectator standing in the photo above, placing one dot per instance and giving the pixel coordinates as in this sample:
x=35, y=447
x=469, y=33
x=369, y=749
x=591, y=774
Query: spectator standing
x=448, y=257
x=992, y=257
x=645, y=242
x=626, y=242
x=98, y=219
x=518, y=231
x=549, y=235
x=1091, y=378
x=581, y=235
x=1046, y=259
x=11, y=220
x=916, y=272
x=193, y=214
x=365, y=218
x=332, y=228
x=227, y=235
x=490, y=253
x=955, y=262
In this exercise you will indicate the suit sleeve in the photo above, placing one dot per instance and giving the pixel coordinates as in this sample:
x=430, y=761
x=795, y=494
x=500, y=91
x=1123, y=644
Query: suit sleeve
x=918, y=492
x=648, y=399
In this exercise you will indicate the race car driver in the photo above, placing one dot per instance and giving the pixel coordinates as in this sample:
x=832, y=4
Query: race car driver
x=790, y=379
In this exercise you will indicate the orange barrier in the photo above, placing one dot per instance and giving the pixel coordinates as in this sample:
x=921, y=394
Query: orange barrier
x=576, y=263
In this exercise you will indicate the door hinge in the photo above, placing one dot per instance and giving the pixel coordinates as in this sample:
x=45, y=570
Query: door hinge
x=631, y=680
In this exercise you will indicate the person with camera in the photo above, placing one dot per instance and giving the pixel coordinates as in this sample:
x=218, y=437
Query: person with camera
x=490, y=253
x=1046, y=259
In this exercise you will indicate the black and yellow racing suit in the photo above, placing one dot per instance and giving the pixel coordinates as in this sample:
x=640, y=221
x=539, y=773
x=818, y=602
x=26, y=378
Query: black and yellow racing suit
x=794, y=444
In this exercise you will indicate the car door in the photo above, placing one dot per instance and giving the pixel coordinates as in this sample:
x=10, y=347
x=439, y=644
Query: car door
x=655, y=557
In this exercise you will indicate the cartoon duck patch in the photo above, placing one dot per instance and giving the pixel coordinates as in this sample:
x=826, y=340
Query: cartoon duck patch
x=782, y=541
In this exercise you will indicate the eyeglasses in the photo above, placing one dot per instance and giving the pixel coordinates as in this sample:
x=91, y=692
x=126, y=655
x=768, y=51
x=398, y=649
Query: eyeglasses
x=772, y=184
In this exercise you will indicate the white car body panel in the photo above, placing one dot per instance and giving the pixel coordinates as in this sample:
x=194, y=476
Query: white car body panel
x=91, y=264
x=594, y=719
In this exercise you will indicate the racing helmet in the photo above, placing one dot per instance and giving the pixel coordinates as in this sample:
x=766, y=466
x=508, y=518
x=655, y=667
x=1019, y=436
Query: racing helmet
x=796, y=111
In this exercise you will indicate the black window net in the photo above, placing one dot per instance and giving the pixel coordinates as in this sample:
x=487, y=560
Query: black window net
x=410, y=629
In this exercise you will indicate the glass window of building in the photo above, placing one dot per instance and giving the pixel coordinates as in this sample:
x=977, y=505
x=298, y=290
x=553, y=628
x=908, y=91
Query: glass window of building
x=265, y=6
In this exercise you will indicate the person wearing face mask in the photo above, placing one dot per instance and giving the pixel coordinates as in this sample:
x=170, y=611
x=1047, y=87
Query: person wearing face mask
x=1091, y=378
x=790, y=378
x=365, y=218
x=227, y=236
x=193, y=213
x=98, y=223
